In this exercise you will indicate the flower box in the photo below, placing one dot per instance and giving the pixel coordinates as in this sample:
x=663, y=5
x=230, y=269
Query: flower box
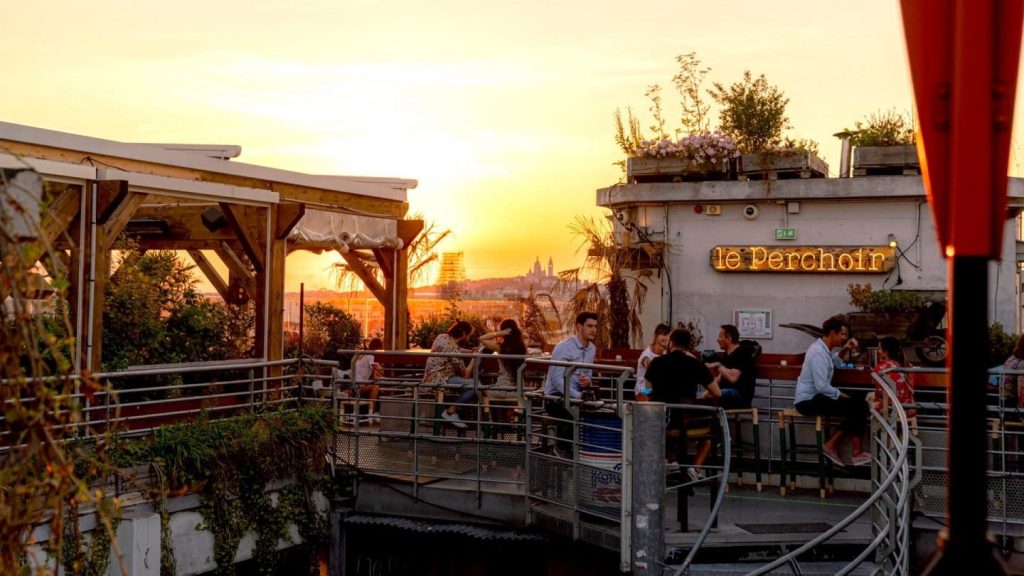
x=885, y=160
x=640, y=170
x=776, y=165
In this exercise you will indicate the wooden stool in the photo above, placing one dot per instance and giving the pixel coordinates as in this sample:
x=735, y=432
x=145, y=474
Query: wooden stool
x=789, y=449
x=740, y=447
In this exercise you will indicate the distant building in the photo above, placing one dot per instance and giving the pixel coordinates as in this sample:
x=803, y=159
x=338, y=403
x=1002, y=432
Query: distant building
x=537, y=273
x=453, y=275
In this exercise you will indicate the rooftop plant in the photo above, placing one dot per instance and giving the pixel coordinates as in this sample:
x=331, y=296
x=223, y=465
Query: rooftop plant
x=882, y=128
x=753, y=113
x=884, y=301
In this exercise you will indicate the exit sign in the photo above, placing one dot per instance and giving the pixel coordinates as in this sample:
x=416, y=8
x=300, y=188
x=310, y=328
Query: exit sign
x=785, y=233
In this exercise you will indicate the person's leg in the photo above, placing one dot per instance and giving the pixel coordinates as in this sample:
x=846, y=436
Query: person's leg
x=563, y=424
x=731, y=398
x=822, y=405
x=468, y=393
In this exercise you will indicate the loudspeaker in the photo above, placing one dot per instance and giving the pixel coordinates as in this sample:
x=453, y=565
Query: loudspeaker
x=213, y=219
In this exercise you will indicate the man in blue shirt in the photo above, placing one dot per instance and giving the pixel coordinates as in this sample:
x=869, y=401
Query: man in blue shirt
x=578, y=348
x=815, y=395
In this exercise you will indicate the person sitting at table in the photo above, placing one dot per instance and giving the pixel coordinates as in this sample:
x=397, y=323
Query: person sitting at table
x=508, y=340
x=735, y=372
x=815, y=395
x=366, y=371
x=1013, y=384
x=674, y=379
x=657, y=347
x=452, y=370
x=890, y=357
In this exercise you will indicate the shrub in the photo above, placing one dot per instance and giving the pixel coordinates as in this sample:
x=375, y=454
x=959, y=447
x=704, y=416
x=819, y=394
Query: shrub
x=883, y=301
x=1000, y=344
x=888, y=128
x=753, y=113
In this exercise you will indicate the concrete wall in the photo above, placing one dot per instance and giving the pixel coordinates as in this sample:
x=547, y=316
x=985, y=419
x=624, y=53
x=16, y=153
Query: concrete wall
x=832, y=212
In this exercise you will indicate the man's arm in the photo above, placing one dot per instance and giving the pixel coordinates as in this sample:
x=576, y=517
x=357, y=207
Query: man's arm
x=820, y=377
x=556, y=374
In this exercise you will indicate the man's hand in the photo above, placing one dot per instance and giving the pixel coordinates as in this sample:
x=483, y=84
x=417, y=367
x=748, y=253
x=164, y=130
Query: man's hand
x=852, y=344
x=585, y=381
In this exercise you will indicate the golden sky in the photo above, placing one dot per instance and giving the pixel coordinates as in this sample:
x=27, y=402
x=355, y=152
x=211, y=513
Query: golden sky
x=501, y=110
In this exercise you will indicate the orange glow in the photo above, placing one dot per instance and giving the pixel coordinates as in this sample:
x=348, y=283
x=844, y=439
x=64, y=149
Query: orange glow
x=504, y=116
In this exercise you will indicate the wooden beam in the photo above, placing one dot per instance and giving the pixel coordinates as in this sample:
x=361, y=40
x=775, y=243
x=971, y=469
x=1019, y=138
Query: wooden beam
x=385, y=258
x=153, y=243
x=408, y=230
x=323, y=199
x=275, y=303
x=237, y=268
x=119, y=217
x=60, y=214
x=249, y=224
x=288, y=215
x=366, y=276
x=184, y=222
x=206, y=266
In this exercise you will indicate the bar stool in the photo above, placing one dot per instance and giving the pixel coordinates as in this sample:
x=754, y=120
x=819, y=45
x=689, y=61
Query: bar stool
x=740, y=447
x=789, y=448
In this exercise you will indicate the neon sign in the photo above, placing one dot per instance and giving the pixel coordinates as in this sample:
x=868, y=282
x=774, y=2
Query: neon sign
x=821, y=259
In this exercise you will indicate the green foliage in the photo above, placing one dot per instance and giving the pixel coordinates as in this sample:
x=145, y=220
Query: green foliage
x=753, y=113
x=424, y=332
x=617, y=297
x=653, y=94
x=155, y=315
x=326, y=329
x=868, y=300
x=1000, y=344
x=688, y=81
x=230, y=461
x=882, y=128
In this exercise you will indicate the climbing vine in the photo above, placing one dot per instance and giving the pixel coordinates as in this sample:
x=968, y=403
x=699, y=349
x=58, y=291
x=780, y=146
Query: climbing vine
x=231, y=463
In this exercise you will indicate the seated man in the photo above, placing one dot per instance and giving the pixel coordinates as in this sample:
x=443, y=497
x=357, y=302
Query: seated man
x=815, y=395
x=578, y=348
x=736, y=372
x=673, y=379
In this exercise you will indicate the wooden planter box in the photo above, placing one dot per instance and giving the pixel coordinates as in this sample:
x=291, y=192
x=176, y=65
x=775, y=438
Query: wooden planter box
x=885, y=160
x=867, y=325
x=763, y=166
x=640, y=170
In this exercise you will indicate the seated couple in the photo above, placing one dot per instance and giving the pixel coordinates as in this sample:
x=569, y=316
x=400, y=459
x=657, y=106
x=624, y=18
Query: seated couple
x=454, y=372
x=733, y=370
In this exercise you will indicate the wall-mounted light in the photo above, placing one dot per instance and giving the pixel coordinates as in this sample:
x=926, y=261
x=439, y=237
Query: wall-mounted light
x=892, y=241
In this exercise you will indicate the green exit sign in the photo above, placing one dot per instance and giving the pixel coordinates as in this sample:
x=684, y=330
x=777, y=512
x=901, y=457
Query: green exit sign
x=785, y=233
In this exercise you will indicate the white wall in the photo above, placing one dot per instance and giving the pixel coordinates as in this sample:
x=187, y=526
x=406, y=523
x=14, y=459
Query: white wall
x=832, y=213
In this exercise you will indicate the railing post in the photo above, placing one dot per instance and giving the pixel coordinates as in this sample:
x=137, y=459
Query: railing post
x=415, y=442
x=647, y=487
x=252, y=391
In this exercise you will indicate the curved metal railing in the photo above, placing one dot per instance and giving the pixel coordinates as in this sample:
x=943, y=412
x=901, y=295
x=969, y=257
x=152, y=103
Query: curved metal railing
x=890, y=500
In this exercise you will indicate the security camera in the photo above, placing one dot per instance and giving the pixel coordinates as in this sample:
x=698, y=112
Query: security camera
x=620, y=215
x=750, y=211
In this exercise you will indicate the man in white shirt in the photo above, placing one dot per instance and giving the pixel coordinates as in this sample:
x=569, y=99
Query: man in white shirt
x=658, y=347
x=815, y=395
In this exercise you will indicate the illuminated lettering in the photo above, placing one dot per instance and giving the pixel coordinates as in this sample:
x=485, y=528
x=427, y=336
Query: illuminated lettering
x=758, y=256
x=821, y=259
x=826, y=257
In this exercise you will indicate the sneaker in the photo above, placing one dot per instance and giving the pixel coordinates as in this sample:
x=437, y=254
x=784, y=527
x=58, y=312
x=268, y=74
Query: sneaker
x=693, y=474
x=453, y=419
x=862, y=459
x=831, y=454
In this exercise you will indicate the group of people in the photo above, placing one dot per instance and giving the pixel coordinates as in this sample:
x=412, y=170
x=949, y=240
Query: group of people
x=669, y=370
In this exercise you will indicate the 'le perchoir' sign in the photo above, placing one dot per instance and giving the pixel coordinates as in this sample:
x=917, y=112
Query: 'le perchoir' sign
x=840, y=259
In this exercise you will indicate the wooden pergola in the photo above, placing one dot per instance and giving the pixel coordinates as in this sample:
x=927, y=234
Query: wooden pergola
x=195, y=199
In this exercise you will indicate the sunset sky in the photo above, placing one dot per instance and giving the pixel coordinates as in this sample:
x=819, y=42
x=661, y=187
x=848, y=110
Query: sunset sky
x=502, y=110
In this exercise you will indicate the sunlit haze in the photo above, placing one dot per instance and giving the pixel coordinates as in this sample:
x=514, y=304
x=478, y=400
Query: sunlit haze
x=503, y=111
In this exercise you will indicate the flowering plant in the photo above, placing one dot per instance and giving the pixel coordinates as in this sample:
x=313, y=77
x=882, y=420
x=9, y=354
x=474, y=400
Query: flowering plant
x=707, y=150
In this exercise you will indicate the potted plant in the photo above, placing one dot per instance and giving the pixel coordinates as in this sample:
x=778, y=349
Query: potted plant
x=753, y=114
x=882, y=312
x=695, y=153
x=703, y=156
x=883, y=144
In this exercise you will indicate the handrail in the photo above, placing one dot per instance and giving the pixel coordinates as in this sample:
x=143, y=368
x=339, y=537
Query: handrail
x=726, y=459
x=900, y=463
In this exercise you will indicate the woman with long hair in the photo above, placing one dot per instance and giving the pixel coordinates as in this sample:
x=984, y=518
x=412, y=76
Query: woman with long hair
x=508, y=340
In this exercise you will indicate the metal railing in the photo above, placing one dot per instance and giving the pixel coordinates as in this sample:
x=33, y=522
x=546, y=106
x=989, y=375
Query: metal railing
x=889, y=500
